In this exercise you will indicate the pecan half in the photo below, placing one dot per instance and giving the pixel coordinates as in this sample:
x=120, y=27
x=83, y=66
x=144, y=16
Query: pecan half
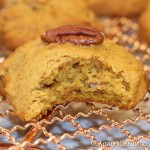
x=76, y=34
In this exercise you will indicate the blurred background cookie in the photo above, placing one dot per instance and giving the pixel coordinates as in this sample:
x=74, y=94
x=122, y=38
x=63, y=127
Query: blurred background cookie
x=25, y=20
x=144, y=25
x=71, y=63
x=118, y=7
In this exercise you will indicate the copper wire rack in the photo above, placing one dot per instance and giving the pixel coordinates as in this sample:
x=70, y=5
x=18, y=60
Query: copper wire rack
x=80, y=126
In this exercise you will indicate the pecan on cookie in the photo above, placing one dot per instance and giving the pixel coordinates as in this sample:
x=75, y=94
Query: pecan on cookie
x=79, y=35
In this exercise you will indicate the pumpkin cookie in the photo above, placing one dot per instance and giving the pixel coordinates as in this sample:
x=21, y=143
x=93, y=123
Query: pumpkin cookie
x=71, y=63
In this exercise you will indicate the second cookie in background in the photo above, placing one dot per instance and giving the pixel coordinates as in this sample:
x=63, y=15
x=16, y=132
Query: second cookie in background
x=24, y=20
x=119, y=8
x=144, y=26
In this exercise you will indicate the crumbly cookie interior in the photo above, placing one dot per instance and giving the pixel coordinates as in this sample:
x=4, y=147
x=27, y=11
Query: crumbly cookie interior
x=83, y=80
